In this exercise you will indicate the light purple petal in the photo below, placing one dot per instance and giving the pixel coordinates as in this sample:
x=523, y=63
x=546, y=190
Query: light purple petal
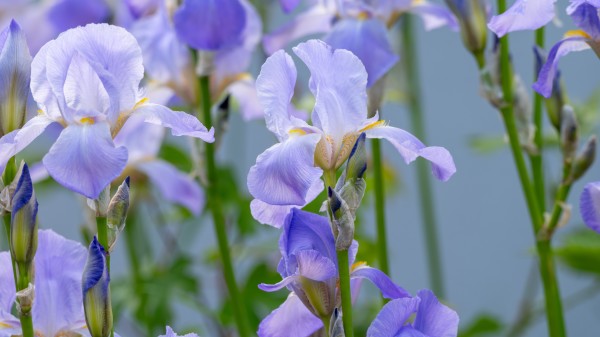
x=180, y=123
x=7, y=295
x=589, y=205
x=277, y=286
x=67, y=14
x=14, y=142
x=289, y=5
x=244, y=92
x=434, y=15
x=338, y=81
x=585, y=16
x=174, y=185
x=314, y=266
x=285, y=172
x=368, y=40
x=142, y=140
x=291, y=319
x=210, y=24
x=392, y=317
x=523, y=15
x=316, y=20
x=387, y=287
x=434, y=318
x=545, y=80
x=171, y=333
x=409, y=147
x=84, y=159
x=409, y=331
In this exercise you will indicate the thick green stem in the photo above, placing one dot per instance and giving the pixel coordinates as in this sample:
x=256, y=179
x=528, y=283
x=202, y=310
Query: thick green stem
x=554, y=312
x=7, y=220
x=216, y=208
x=413, y=91
x=536, y=159
x=23, y=283
x=102, y=228
x=380, y=206
x=344, y=270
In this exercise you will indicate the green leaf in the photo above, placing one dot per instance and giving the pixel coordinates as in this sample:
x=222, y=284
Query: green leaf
x=580, y=251
x=482, y=325
x=176, y=156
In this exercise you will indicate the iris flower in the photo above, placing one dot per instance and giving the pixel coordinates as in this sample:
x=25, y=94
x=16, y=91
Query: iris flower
x=589, y=205
x=523, y=15
x=309, y=269
x=432, y=319
x=585, y=15
x=356, y=25
x=87, y=82
x=287, y=174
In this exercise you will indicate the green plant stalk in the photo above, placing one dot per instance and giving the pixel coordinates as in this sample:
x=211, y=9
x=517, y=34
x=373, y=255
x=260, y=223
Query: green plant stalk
x=413, y=90
x=380, y=206
x=344, y=273
x=102, y=228
x=554, y=313
x=7, y=219
x=26, y=320
x=537, y=162
x=214, y=204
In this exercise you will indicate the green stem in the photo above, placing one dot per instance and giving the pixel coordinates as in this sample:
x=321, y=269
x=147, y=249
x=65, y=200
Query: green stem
x=25, y=318
x=537, y=159
x=216, y=208
x=380, y=206
x=102, y=228
x=413, y=89
x=7, y=219
x=554, y=312
x=344, y=270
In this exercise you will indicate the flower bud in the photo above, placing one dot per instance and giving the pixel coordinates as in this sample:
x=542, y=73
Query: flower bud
x=343, y=220
x=96, y=292
x=100, y=204
x=15, y=73
x=24, y=229
x=585, y=159
x=472, y=18
x=558, y=99
x=336, y=326
x=117, y=213
x=568, y=134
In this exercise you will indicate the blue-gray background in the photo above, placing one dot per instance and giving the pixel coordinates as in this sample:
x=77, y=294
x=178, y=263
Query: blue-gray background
x=484, y=228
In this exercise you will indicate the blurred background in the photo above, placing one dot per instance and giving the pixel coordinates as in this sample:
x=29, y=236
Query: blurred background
x=486, y=238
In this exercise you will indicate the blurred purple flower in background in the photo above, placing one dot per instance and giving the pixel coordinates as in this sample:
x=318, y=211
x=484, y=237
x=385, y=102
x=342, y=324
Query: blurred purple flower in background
x=523, y=15
x=171, y=333
x=87, y=81
x=288, y=174
x=589, y=205
x=309, y=269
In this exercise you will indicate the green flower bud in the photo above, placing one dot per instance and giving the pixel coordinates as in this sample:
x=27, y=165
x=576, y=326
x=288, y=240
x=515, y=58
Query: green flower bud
x=585, y=159
x=117, y=213
x=24, y=229
x=568, y=134
x=96, y=292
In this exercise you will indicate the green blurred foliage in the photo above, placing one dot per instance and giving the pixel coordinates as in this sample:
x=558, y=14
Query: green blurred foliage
x=580, y=251
x=482, y=325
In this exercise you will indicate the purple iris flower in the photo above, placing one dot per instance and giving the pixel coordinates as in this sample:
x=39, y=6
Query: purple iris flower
x=357, y=25
x=287, y=175
x=87, y=81
x=169, y=63
x=171, y=333
x=309, y=269
x=523, y=15
x=589, y=205
x=432, y=319
x=58, y=303
x=585, y=15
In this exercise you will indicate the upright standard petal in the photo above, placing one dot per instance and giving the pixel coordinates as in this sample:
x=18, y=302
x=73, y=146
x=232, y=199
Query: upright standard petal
x=210, y=24
x=180, y=123
x=291, y=319
x=171, y=333
x=392, y=317
x=338, y=81
x=434, y=15
x=585, y=15
x=67, y=14
x=545, y=80
x=368, y=40
x=84, y=159
x=285, y=172
x=589, y=205
x=387, y=287
x=434, y=318
x=409, y=147
x=523, y=15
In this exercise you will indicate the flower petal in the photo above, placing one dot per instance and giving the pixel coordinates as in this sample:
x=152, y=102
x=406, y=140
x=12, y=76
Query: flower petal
x=387, y=287
x=279, y=285
x=180, y=123
x=392, y=317
x=84, y=159
x=313, y=265
x=338, y=81
x=174, y=185
x=14, y=142
x=291, y=319
x=434, y=318
x=244, y=92
x=585, y=16
x=285, y=172
x=442, y=164
x=67, y=14
x=368, y=40
x=171, y=333
x=7, y=297
x=589, y=205
x=545, y=80
x=523, y=15
x=434, y=15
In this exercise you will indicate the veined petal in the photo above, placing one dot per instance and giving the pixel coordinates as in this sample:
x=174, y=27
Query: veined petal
x=84, y=159
x=368, y=40
x=171, y=333
x=285, y=172
x=409, y=147
x=585, y=16
x=589, y=205
x=84, y=91
x=434, y=16
x=275, y=88
x=545, y=80
x=434, y=318
x=210, y=24
x=142, y=140
x=14, y=142
x=338, y=81
x=291, y=319
x=314, y=266
x=316, y=20
x=387, y=287
x=174, y=185
x=279, y=285
x=180, y=123
x=392, y=317
x=523, y=15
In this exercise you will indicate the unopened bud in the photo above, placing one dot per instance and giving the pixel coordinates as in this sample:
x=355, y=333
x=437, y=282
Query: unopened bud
x=96, y=292
x=100, y=205
x=24, y=229
x=336, y=324
x=585, y=159
x=557, y=100
x=343, y=220
x=117, y=213
x=472, y=18
x=568, y=133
